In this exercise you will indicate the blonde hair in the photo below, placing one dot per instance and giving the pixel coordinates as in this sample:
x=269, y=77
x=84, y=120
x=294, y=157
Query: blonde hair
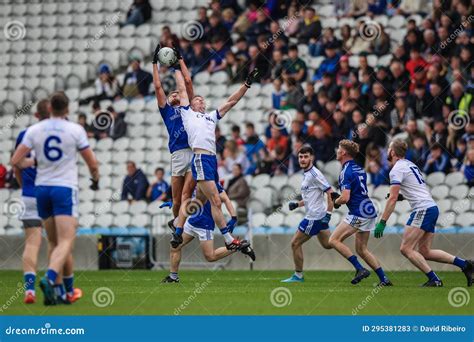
x=399, y=147
x=350, y=147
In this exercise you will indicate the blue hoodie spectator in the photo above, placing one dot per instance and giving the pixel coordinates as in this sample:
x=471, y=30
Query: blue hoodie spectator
x=135, y=184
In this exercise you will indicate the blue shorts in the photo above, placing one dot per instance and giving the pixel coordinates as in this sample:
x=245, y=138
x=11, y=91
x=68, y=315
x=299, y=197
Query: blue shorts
x=55, y=201
x=204, y=167
x=312, y=227
x=424, y=219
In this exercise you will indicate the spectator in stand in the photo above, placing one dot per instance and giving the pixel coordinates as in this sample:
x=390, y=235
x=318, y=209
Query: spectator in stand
x=168, y=38
x=278, y=94
x=418, y=152
x=294, y=66
x=201, y=58
x=235, y=135
x=138, y=13
x=135, y=184
x=317, y=46
x=419, y=100
x=329, y=64
x=458, y=99
x=228, y=19
x=416, y=60
x=358, y=42
x=257, y=60
x=202, y=18
x=136, y=83
x=219, y=51
x=236, y=68
x=101, y=122
x=292, y=26
x=237, y=188
x=460, y=153
x=3, y=176
x=294, y=93
x=157, y=191
x=330, y=87
x=277, y=64
x=233, y=155
x=340, y=127
x=82, y=120
x=468, y=168
x=118, y=126
x=343, y=72
x=400, y=115
x=381, y=44
x=322, y=145
x=106, y=85
x=437, y=160
x=377, y=7
x=378, y=175
x=309, y=26
x=357, y=8
x=309, y=102
x=277, y=146
x=217, y=29
x=362, y=138
x=400, y=78
x=259, y=27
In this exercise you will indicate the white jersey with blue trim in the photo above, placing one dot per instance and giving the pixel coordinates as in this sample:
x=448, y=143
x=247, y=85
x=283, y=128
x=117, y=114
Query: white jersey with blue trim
x=56, y=142
x=312, y=190
x=412, y=184
x=201, y=128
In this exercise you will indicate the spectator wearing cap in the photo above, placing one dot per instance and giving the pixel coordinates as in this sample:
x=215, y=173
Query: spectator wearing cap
x=136, y=83
x=106, y=85
x=294, y=66
x=437, y=160
x=135, y=184
x=330, y=64
x=118, y=126
x=382, y=75
x=309, y=27
x=138, y=13
x=158, y=190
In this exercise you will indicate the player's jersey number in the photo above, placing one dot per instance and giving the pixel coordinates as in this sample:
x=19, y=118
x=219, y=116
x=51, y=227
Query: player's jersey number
x=51, y=148
x=416, y=171
x=362, y=186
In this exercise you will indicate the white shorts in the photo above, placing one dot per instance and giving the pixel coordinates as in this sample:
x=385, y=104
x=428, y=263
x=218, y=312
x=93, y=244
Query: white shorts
x=30, y=212
x=201, y=234
x=181, y=162
x=360, y=223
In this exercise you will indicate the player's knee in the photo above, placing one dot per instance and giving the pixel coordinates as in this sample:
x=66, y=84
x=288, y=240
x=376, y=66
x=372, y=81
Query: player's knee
x=295, y=244
x=361, y=250
x=332, y=242
x=424, y=251
x=405, y=250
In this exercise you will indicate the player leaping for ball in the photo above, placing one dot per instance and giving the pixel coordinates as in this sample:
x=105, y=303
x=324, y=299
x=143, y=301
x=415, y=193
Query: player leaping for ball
x=406, y=180
x=200, y=127
x=201, y=225
x=182, y=183
x=55, y=142
x=361, y=217
x=318, y=215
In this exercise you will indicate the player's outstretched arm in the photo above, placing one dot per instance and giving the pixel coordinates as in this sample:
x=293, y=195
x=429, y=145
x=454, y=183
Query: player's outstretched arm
x=183, y=95
x=19, y=158
x=186, y=74
x=235, y=97
x=159, y=92
x=389, y=208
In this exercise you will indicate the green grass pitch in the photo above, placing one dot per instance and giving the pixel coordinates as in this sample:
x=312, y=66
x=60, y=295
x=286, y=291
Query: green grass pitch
x=243, y=293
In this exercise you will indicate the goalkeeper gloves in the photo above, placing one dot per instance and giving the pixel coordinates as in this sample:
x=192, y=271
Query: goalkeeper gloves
x=166, y=205
x=251, y=77
x=399, y=198
x=94, y=185
x=326, y=218
x=155, y=54
x=379, y=228
x=293, y=205
x=334, y=197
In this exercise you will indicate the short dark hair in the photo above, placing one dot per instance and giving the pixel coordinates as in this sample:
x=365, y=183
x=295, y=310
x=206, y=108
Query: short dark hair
x=250, y=125
x=436, y=146
x=306, y=149
x=293, y=47
x=59, y=103
x=42, y=108
x=235, y=128
x=159, y=169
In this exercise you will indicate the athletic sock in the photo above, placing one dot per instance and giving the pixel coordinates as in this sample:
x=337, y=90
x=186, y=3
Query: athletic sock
x=461, y=263
x=179, y=231
x=51, y=275
x=30, y=279
x=59, y=291
x=228, y=238
x=174, y=275
x=353, y=260
x=69, y=284
x=381, y=274
x=432, y=276
x=299, y=274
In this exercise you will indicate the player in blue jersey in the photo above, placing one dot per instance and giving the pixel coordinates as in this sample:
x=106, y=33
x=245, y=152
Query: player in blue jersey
x=406, y=180
x=361, y=217
x=56, y=143
x=182, y=183
x=317, y=213
x=201, y=225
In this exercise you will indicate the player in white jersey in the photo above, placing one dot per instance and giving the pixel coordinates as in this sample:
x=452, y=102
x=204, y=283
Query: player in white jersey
x=318, y=214
x=200, y=127
x=406, y=182
x=55, y=143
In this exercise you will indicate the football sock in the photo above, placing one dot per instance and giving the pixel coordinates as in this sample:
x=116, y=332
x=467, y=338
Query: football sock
x=59, y=291
x=353, y=260
x=461, y=263
x=179, y=231
x=381, y=274
x=51, y=275
x=228, y=238
x=174, y=275
x=69, y=284
x=30, y=279
x=299, y=274
x=432, y=276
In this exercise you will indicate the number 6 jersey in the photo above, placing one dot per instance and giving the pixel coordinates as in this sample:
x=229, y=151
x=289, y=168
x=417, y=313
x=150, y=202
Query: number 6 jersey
x=55, y=142
x=412, y=185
